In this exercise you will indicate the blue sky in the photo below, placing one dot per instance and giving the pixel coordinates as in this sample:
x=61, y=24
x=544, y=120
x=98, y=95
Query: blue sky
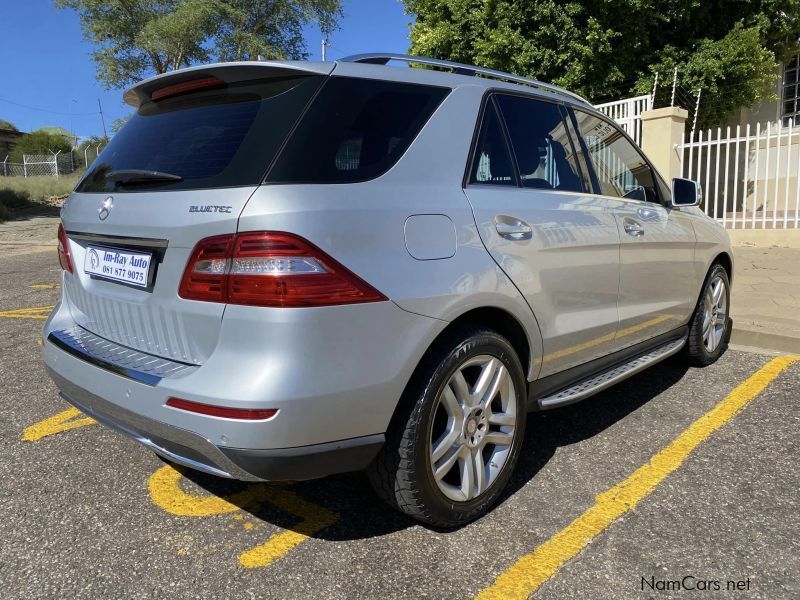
x=48, y=77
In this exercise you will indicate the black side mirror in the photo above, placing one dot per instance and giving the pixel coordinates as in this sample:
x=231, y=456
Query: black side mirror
x=686, y=192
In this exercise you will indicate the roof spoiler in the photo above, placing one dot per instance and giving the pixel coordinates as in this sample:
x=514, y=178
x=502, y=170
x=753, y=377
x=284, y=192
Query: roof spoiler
x=226, y=72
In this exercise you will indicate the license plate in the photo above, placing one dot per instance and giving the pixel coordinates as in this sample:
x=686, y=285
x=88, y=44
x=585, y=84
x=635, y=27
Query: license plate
x=115, y=264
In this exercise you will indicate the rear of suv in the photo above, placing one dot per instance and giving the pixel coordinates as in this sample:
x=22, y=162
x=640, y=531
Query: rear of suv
x=285, y=270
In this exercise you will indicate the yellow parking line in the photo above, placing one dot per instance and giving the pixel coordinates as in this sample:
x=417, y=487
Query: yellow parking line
x=45, y=286
x=166, y=493
x=71, y=418
x=532, y=570
x=314, y=518
x=37, y=312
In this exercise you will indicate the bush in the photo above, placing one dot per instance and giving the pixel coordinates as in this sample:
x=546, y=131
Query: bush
x=38, y=142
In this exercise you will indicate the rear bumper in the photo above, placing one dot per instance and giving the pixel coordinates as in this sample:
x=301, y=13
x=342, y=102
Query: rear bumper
x=334, y=375
x=195, y=451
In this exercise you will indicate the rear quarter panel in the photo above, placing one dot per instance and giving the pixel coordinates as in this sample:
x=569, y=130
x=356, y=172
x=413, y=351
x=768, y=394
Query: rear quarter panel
x=362, y=225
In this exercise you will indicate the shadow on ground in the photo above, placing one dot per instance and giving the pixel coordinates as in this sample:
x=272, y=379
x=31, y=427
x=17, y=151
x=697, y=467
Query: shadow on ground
x=17, y=204
x=363, y=515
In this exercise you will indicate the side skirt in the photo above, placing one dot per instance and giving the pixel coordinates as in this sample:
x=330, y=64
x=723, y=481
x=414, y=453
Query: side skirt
x=580, y=382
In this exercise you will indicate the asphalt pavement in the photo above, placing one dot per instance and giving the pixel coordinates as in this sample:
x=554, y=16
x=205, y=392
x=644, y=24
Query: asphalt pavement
x=87, y=513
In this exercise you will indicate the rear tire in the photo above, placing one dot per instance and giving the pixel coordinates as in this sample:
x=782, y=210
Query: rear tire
x=456, y=435
x=710, y=327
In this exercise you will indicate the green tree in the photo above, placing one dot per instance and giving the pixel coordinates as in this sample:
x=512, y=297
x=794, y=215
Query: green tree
x=39, y=142
x=93, y=141
x=273, y=29
x=7, y=126
x=612, y=48
x=136, y=38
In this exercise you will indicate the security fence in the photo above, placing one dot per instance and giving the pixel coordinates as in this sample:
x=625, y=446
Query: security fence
x=50, y=165
x=628, y=114
x=749, y=175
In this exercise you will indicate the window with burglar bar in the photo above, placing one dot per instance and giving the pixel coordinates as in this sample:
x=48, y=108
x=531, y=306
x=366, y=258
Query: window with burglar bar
x=790, y=109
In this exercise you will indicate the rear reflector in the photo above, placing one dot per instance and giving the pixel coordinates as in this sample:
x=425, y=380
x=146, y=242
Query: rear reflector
x=269, y=268
x=64, y=256
x=187, y=86
x=245, y=414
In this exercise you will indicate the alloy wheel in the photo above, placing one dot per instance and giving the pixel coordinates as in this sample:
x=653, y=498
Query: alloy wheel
x=474, y=425
x=715, y=314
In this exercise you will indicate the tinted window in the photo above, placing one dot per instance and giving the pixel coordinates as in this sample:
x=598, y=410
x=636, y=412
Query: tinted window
x=492, y=162
x=356, y=129
x=215, y=138
x=542, y=147
x=620, y=167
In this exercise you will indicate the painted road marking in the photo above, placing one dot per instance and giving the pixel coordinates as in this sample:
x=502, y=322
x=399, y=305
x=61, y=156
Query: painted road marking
x=37, y=312
x=64, y=421
x=166, y=493
x=45, y=286
x=526, y=575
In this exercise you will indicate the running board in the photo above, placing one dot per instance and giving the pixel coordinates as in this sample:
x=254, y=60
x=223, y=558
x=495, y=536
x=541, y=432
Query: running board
x=606, y=379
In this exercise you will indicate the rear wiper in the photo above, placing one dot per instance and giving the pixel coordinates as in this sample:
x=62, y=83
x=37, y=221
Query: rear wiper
x=134, y=176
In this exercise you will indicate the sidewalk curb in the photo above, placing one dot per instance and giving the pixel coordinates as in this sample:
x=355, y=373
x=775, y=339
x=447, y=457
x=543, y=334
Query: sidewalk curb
x=768, y=341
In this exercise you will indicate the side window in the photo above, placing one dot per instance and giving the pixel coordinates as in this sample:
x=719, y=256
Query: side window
x=492, y=162
x=620, y=167
x=544, y=152
x=355, y=130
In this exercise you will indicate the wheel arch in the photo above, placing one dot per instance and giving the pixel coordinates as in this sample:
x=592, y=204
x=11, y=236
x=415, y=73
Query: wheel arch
x=726, y=261
x=504, y=323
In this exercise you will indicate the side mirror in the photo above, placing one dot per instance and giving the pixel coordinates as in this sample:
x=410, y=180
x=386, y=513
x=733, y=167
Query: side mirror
x=686, y=192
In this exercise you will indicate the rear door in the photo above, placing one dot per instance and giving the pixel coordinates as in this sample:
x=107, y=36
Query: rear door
x=657, y=288
x=180, y=170
x=557, y=242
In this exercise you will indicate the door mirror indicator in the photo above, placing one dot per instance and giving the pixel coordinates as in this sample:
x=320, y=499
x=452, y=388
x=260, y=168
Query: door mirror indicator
x=686, y=192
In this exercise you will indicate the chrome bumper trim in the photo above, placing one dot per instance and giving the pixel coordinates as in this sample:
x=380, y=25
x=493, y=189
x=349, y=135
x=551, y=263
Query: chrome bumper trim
x=141, y=367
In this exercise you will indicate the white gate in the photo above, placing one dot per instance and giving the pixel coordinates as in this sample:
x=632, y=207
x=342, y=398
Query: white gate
x=749, y=177
x=628, y=113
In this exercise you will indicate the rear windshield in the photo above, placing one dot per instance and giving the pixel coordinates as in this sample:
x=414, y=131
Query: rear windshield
x=356, y=129
x=210, y=139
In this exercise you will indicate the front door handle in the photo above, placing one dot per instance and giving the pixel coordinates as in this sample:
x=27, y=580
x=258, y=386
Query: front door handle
x=632, y=228
x=512, y=228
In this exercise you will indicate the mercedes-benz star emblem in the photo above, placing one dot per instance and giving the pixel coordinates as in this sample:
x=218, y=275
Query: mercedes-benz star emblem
x=105, y=208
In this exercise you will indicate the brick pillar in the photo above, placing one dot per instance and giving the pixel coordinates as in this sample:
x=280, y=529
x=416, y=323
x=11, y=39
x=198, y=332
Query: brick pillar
x=662, y=130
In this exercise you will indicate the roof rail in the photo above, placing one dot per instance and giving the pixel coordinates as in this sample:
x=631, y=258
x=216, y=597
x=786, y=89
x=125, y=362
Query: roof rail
x=382, y=58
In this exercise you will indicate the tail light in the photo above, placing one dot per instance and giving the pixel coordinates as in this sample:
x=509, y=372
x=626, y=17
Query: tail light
x=270, y=269
x=205, y=277
x=245, y=414
x=64, y=256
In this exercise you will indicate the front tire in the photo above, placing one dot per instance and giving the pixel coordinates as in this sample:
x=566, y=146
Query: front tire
x=456, y=436
x=709, y=329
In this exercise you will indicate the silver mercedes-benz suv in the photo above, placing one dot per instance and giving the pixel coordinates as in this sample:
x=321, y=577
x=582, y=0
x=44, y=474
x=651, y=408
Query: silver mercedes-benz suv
x=285, y=270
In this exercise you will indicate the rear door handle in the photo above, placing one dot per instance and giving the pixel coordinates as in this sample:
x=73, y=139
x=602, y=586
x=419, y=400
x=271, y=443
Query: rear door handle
x=632, y=228
x=512, y=228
